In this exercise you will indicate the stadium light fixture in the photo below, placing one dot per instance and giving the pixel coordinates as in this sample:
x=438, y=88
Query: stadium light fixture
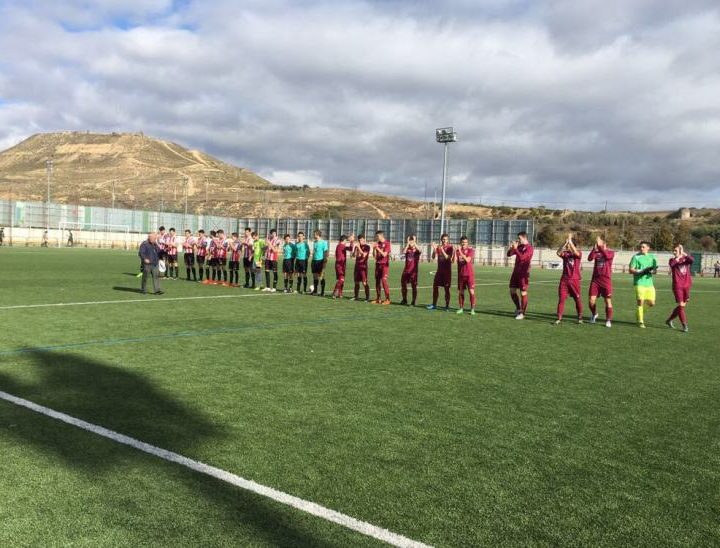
x=445, y=136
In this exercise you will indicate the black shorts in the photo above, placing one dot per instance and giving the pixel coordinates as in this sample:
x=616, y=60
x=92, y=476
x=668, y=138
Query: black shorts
x=172, y=259
x=221, y=262
x=317, y=266
x=162, y=254
x=189, y=259
x=247, y=263
x=212, y=261
x=201, y=259
x=271, y=265
x=288, y=266
x=234, y=265
x=301, y=266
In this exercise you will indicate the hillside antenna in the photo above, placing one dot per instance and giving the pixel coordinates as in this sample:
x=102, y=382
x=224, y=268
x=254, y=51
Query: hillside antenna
x=48, y=169
x=444, y=135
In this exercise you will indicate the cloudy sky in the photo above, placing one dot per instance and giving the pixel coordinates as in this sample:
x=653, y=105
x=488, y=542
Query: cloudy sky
x=566, y=103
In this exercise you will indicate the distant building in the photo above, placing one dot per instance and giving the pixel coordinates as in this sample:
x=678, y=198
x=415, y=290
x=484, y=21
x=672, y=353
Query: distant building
x=684, y=213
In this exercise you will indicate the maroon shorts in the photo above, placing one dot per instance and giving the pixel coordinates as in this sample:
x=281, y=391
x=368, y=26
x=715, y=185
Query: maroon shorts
x=466, y=282
x=381, y=271
x=442, y=278
x=682, y=294
x=340, y=271
x=409, y=278
x=600, y=289
x=569, y=288
x=520, y=282
x=361, y=276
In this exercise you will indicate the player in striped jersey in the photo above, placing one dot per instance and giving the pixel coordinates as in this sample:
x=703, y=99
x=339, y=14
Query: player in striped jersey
x=189, y=255
x=201, y=253
x=171, y=248
x=272, y=251
x=235, y=249
x=247, y=256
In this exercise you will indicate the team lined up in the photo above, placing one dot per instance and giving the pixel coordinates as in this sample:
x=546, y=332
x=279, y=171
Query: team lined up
x=216, y=259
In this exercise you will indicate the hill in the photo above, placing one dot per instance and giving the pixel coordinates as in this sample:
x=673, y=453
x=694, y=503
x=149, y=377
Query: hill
x=137, y=171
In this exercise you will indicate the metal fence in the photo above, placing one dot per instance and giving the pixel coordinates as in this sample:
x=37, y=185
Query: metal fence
x=39, y=215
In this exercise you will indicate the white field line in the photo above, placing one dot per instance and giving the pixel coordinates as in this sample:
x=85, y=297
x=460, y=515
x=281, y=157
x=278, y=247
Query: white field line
x=149, y=299
x=228, y=477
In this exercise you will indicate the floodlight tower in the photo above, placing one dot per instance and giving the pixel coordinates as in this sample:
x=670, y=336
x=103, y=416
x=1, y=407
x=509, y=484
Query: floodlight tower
x=49, y=170
x=444, y=135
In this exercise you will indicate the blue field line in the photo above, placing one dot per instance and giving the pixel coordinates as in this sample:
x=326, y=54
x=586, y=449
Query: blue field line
x=189, y=334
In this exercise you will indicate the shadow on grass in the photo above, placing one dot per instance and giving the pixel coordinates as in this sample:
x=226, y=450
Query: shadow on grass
x=125, y=401
x=127, y=289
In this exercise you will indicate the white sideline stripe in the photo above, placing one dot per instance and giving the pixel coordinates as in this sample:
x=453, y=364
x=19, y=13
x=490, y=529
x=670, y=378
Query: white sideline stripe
x=303, y=505
x=146, y=300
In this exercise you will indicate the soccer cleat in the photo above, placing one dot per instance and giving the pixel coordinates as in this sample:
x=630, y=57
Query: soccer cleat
x=159, y=293
x=593, y=318
x=608, y=324
x=460, y=311
x=557, y=322
x=670, y=324
x=580, y=320
x=377, y=301
x=686, y=329
x=641, y=325
x=431, y=307
x=273, y=290
x=386, y=302
x=403, y=302
x=257, y=288
x=520, y=316
x=472, y=312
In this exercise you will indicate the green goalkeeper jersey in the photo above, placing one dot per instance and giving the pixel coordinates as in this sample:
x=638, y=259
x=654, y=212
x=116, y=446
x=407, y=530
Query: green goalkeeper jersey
x=641, y=262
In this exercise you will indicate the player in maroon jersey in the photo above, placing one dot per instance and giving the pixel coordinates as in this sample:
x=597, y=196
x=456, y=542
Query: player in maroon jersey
x=520, y=278
x=681, y=283
x=410, y=272
x=345, y=245
x=171, y=249
x=465, y=257
x=189, y=255
x=445, y=254
x=362, y=253
x=381, y=253
x=570, y=280
x=601, y=284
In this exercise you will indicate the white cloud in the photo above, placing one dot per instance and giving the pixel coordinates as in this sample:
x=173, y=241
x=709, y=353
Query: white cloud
x=554, y=102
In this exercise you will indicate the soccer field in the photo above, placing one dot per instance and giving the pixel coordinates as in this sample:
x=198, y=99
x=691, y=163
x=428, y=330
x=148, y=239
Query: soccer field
x=449, y=430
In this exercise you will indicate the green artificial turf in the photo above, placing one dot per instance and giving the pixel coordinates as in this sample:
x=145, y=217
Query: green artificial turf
x=451, y=430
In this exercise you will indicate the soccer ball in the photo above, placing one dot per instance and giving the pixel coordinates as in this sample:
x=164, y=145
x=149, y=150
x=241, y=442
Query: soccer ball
x=311, y=288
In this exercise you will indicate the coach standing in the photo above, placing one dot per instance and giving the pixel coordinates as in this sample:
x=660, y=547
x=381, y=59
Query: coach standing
x=150, y=257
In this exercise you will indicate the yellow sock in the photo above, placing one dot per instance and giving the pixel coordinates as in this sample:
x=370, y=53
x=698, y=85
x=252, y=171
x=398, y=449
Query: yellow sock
x=640, y=314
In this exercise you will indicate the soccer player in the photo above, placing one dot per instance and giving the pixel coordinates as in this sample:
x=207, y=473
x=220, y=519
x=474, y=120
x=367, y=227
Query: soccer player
x=362, y=253
x=288, y=263
x=601, y=283
x=570, y=280
x=319, y=261
x=520, y=278
x=302, y=253
x=211, y=264
x=465, y=257
x=681, y=284
x=258, y=247
x=201, y=244
x=221, y=250
x=248, y=256
x=345, y=245
x=272, y=251
x=642, y=266
x=160, y=241
x=445, y=255
x=171, y=249
x=381, y=253
x=235, y=247
x=410, y=272
x=189, y=255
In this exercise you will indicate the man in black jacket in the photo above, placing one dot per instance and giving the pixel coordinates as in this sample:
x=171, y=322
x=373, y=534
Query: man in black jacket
x=150, y=257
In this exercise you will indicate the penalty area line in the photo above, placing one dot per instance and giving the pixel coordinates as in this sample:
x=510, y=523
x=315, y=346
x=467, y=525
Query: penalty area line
x=303, y=505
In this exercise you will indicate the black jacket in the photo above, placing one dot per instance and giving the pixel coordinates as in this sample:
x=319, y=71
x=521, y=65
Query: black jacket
x=149, y=252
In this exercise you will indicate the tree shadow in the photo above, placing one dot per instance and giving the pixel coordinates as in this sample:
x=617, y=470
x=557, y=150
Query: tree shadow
x=127, y=289
x=126, y=402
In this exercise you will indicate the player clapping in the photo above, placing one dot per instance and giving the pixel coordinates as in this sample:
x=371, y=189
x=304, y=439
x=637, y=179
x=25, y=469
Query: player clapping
x=445, y=255
x=381, y=253
x=465, y=257
x=188, y=246
x=520, y=278
x=643, y=266
x=410, y=272
x=681, y=283
x=570, y=280
x=601, y=284
x=362, y=253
